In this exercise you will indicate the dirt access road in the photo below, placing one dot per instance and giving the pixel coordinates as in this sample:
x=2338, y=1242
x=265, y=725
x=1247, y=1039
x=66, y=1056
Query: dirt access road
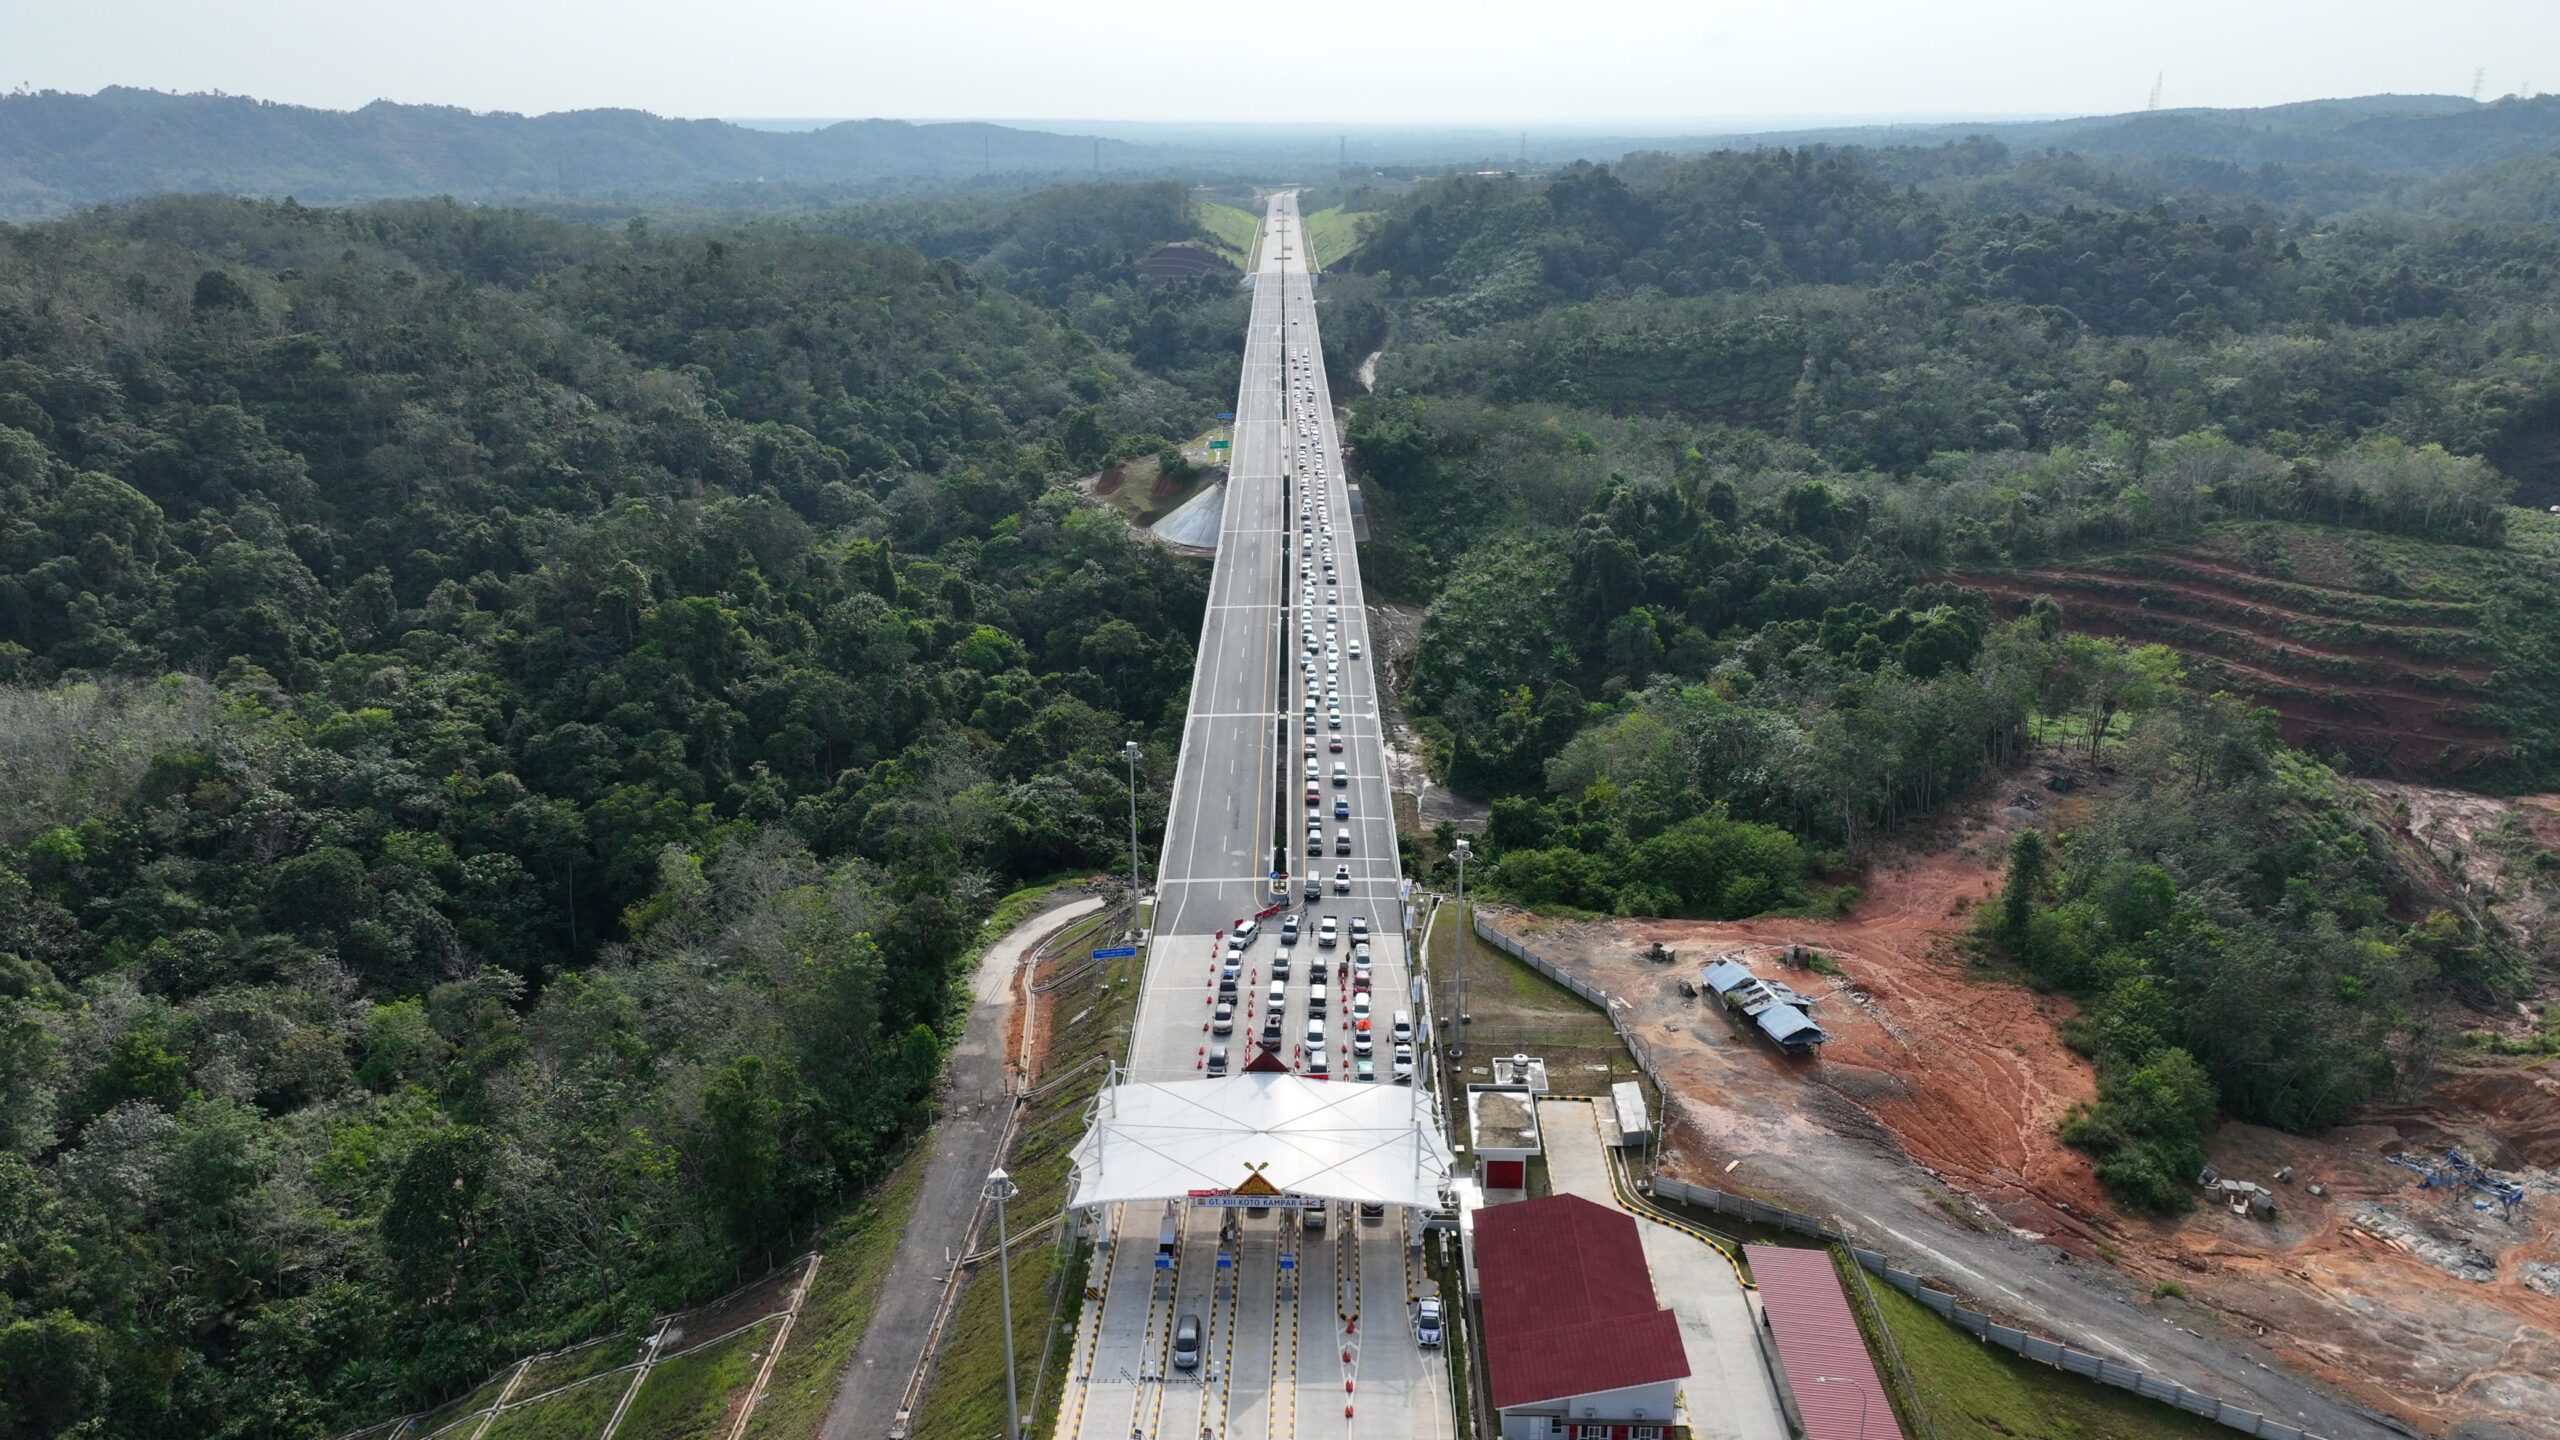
x=1927, y=1126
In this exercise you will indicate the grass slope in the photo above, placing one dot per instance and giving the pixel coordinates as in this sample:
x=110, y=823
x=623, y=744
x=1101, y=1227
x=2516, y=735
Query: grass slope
x=1230, y=231
x=577, y=1414
x=1972, y=1391
x=1335, y=233
x=688, y=1398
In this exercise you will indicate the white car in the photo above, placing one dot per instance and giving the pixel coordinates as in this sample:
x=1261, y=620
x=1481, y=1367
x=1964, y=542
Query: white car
x=1355, y=649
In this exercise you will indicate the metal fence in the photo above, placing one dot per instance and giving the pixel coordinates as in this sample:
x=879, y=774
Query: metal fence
x=2035, y=1347
x=1592, y=993
x=1743, y=1207
x=2079, y=1362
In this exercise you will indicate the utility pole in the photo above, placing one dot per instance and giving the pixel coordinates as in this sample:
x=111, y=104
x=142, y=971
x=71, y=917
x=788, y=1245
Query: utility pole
x=1131, y=751
x=1000, y=1188
x=1458, y=957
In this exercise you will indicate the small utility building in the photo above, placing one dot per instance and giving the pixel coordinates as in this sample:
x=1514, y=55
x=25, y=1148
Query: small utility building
x=1575, y=1345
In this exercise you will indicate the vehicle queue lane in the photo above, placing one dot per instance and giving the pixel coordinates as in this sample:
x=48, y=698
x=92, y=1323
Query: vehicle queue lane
x=1274, y=1363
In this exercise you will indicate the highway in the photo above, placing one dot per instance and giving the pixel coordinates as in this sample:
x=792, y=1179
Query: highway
x=1307, y=1332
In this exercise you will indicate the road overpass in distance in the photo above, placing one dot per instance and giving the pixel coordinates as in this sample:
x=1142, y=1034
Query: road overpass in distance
x=1305, y=1330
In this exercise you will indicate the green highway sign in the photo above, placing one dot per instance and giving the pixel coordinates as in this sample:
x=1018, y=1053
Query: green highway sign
x=1217, y=444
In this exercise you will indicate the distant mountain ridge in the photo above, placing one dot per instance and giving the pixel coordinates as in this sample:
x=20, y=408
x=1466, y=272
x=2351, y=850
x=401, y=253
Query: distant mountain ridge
x=2391, y=134
x=61, y=151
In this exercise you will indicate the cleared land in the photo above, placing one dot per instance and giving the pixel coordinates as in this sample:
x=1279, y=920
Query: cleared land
x=1928, y=1125
x=2388, y=655
x=575, y=1414
x=1140, y=491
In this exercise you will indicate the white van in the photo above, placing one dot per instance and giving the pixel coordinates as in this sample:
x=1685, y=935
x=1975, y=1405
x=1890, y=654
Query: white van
x=1403, y=1026
x=1316, y=1000
x=1279, y=995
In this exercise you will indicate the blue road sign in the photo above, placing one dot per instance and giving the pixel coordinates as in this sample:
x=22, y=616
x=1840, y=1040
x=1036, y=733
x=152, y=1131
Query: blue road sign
x=1226, y=414
x=1116, y=952
x=1288, y=1261
x=1164, y=1262
x=1226, y=1261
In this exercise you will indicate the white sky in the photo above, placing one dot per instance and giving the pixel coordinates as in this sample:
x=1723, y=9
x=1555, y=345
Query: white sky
x=1400, y=61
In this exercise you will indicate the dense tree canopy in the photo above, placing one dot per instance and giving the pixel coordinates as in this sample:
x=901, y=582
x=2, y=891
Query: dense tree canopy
x=508, y=729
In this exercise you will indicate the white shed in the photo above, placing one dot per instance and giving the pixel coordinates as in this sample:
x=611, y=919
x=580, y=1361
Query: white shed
x=1635, y=1127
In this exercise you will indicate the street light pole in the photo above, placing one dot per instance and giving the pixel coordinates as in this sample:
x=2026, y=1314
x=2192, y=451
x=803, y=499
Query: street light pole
x=1131, y=751
x=1862, y=1397
x=1000, y=1188
x=1458, y=955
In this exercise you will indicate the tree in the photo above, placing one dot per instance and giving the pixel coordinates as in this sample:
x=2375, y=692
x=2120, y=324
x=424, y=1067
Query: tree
x=743, y=1149
x=53, y=1376
x=2019, y=891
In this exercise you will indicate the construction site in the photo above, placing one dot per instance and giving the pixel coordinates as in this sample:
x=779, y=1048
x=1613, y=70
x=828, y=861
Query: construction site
x=2408, y=1264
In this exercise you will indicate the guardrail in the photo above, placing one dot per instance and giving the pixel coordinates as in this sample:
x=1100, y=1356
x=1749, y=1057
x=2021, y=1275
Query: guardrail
x=2057, y=1353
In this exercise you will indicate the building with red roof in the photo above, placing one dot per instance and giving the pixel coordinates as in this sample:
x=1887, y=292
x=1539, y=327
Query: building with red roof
x=1575, y=1345
x=1832, y=1384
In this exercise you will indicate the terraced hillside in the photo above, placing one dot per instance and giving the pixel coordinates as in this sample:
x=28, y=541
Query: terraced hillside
x=2391, y=656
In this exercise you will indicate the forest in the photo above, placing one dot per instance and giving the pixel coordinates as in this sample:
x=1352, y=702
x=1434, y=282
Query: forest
x=508, y=727
x=1743, y=424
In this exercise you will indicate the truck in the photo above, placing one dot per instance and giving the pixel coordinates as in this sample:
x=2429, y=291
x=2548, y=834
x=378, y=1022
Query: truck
x=1427, y=1329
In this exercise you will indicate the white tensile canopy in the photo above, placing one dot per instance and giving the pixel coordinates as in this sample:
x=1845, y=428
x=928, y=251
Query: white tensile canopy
x=1254, y=1133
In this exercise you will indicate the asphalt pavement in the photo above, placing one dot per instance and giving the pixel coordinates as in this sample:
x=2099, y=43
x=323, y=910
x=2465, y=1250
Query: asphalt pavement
x=1303, y=1329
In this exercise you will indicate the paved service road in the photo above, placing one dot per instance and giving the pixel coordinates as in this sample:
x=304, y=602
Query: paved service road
x=1304, y=1329
x=1729, y=1392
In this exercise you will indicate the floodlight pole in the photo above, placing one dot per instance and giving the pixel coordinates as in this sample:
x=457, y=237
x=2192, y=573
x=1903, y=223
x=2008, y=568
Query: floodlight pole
x=1130, y=750
x=1000, y=1188
x=1458, y=957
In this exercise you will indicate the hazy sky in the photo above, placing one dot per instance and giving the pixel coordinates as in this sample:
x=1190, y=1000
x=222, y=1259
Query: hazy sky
x=1499, y=61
